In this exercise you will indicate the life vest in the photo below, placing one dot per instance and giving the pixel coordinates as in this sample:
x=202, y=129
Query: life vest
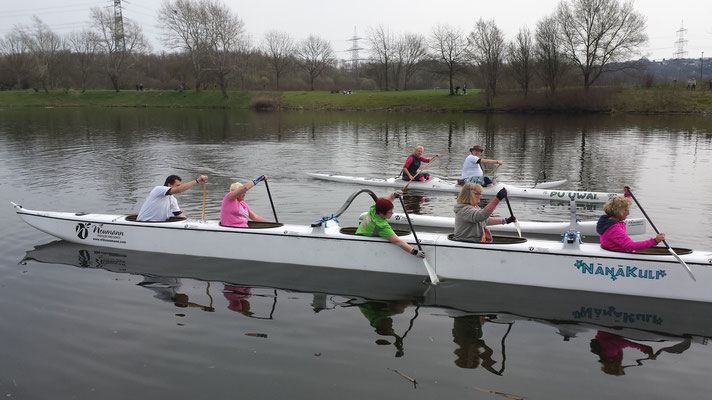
x=414, y=165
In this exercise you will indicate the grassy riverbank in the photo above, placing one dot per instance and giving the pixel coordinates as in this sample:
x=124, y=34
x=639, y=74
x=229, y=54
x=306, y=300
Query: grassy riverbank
x=665, y=98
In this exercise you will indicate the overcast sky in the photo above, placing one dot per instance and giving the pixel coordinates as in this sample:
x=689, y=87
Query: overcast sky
x=335, y=20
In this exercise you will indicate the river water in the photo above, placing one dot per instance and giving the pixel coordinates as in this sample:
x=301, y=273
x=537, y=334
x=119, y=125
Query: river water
x=84, y=322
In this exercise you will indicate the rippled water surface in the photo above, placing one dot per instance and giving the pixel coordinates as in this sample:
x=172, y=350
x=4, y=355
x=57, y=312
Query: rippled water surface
x=86, y=322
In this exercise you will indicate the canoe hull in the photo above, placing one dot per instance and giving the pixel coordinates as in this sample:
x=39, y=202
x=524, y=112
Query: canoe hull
x=634, y=226
x=539, y=263
x=438, y=185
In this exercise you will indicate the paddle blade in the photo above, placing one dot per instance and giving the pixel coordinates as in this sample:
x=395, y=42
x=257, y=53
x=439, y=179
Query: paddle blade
x=433, y=277
x=519, y=229
x=684, y=264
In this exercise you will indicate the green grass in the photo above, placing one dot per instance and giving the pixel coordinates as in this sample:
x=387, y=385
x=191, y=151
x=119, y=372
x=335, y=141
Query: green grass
x=410, y=100
x=126, y=98
x=663, y=98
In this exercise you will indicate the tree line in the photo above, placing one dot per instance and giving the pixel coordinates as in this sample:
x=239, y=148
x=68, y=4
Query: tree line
x=209, y=47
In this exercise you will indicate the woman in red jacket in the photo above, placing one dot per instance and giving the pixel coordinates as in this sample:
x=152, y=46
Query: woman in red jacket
x=612, y=228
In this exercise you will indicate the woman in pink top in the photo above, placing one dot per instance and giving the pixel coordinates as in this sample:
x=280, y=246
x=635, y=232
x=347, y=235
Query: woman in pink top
x=612, y=228
x=234, y=211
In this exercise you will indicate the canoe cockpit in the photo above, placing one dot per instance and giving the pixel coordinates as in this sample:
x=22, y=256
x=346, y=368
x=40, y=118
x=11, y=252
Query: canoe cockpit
x=250, y=224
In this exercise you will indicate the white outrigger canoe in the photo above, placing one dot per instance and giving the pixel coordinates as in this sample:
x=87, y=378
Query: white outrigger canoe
x=571, y=312
x=543, y=191
x=551, y=264
x=634, y=226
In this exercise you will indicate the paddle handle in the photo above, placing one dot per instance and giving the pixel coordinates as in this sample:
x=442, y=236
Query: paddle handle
x=202, y=213
x=269, y=194
x=495, y=169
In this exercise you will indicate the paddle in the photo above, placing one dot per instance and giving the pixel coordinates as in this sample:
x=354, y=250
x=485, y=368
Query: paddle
x=202, y=214
x=433, y=277
x=269, y=194
x=516, y=223
x=494, y=169
x=418, y=173
x=664, y=241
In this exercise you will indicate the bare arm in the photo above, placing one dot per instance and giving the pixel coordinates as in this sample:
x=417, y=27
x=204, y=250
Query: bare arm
x=400, y=243
x=489, y=161
x=185, y=186
x=255, y=217
x=242, y=190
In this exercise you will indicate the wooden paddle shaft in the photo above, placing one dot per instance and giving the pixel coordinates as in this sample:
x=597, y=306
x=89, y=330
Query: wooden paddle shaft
x=418, y=172
x=202, y=214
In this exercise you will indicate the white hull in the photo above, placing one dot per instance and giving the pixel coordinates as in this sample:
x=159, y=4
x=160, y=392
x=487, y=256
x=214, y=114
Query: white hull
x=634, y=226
x=539, y=263
x=573, y=311
x=439, y=185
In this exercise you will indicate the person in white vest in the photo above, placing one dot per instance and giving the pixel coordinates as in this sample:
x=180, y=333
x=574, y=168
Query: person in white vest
x=160, y=203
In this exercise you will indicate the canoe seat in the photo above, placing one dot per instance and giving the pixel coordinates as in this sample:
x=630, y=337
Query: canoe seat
x=657, y=251
x=257, y=225
x=132, y=218
x=495, y=239
x=352, y=231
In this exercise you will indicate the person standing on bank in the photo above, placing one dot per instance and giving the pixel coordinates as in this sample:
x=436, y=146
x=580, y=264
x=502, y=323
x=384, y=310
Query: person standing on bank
x=160, y=203
x=412, y=165
x=472, y=171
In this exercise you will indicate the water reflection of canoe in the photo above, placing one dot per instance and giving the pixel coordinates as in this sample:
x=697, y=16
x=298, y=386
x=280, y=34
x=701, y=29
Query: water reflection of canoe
x=571, y=312
x=541, y=192
x=634, y=226
x=570, y=264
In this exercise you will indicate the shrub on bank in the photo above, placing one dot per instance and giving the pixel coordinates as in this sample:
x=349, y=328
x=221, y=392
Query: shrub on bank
x=265, y=104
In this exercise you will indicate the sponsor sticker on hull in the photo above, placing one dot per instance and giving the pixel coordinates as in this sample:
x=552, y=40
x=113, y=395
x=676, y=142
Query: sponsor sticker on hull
x=97, y=233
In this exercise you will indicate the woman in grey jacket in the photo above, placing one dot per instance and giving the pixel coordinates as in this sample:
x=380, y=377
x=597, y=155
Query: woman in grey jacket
x=470, y=220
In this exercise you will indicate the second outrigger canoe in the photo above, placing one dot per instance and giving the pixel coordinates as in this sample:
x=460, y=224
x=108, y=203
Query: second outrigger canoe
x=543, y=191
x=634, y=226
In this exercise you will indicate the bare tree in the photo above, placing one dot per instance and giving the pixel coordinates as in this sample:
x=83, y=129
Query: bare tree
x=279, y=49
x=414, y=52
x=596, y=33
x=16, y=54
x=521, y=59
x=44, y=46
x=246, y=55
x=550, y=60
x=119, y=51
x=450, y=47
x=225, y=35
x=487, y=43
x=84, y=44
x=315, y=55
x=382, y=48
x=184, y=23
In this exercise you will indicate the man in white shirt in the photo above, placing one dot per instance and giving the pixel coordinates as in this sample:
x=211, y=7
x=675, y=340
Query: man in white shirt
x=471, y=170
x=160, y=203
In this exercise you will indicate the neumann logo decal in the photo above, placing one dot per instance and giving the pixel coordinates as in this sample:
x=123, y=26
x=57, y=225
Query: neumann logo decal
x=99, y=233
x=82, y=230
x=619, y=271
